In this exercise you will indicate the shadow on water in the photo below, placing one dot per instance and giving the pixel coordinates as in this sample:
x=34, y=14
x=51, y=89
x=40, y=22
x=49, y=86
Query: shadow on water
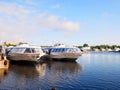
x=102, y=72
x=23, y=63
x=24, y=68
x=63, y=66
x=42, y=69
x=32, y=69
x=27, y=75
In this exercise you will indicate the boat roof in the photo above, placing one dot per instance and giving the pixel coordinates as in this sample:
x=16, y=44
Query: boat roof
x=26, y=46
x=10, y=47
x=62, y=46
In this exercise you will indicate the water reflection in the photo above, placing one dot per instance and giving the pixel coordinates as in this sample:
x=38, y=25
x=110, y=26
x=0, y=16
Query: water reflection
x=3, y=73
x=99, y=57
x=24, y=70
x=57, y=71
x=41, y=69
x=59, y=68
x=102, y=71
x=70, y=67
x=40, y=75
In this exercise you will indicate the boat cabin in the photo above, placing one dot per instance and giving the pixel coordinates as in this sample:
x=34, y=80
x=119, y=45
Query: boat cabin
x=66, y=50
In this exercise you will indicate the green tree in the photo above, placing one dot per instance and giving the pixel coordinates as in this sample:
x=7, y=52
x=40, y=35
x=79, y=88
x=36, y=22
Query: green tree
x=85, y=45
x=79, y=46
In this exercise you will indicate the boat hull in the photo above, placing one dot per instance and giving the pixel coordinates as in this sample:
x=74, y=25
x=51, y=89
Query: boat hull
x=23, y=57
x=63, y=56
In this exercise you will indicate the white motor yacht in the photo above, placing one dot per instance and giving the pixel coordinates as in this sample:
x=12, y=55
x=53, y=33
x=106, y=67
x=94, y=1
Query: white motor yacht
x=63, y=52
x=25, y=52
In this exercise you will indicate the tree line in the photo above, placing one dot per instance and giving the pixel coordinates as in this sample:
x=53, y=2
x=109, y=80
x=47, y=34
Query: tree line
x=100, y=46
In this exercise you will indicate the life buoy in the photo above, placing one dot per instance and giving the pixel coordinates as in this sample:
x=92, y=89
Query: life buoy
x=5, y=62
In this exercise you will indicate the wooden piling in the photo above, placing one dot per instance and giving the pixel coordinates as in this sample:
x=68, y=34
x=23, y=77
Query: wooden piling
x=4, y=64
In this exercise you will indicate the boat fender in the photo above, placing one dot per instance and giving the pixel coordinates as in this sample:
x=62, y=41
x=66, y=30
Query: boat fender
x=5, y=62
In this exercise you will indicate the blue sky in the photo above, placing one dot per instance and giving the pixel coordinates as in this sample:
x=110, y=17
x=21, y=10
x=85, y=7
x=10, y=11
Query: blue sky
x=74, y=22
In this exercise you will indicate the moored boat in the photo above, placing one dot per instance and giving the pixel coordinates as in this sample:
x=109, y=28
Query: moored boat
x=63, y=52
x=25, y=52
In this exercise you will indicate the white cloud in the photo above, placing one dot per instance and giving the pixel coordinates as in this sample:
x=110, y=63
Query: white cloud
x=16, y=22
x=70, y=26
x=56, y=23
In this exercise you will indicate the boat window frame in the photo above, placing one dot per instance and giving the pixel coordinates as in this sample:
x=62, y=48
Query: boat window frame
x=29, y=49
x=37, y=50
x=17, y=50
x=65, y=50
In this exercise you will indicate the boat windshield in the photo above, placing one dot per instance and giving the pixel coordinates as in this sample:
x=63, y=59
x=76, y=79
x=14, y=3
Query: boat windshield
x=25, y=50
x=32, y=50
x=66, y=50
x=17, y=50
x=35, y=50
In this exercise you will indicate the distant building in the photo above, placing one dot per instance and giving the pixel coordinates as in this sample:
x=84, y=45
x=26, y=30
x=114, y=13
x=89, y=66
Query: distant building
x=117, y=49
x=109, y=50
x=96, y=50
x=102, y=49
x=85, y=49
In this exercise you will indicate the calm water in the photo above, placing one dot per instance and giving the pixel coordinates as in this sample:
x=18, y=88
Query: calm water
x=92, y=71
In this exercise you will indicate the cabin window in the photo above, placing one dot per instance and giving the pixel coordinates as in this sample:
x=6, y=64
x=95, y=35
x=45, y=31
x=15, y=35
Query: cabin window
x=17, y=50
x=74, y=50
x=53, y=50
x=66, y=50
x=44, y=50
x=33, y=50
x=56, y=50
x=37, y=50
x=20, y=50
x=59, y=50
x=62, y=50
x=77, y=50
x=69, y=50
x=28, y=50
x=14, y=50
